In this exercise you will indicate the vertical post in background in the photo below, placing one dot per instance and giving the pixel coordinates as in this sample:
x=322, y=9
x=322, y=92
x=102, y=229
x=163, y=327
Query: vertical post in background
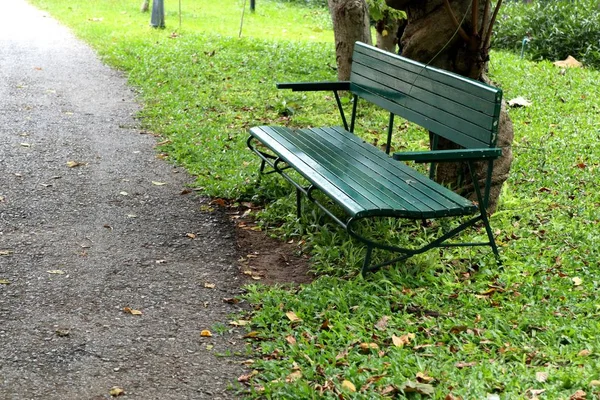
x=158, y=14
x=252, y=5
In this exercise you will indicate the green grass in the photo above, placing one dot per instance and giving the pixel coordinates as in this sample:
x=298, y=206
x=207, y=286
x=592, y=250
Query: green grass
x=470, y=329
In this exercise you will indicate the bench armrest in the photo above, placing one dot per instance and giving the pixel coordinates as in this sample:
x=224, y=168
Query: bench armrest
x=448, y=155
x=314, y=86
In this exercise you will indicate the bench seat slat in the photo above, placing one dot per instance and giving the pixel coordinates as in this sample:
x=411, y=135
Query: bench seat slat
x=353, y=184
x=375, y=171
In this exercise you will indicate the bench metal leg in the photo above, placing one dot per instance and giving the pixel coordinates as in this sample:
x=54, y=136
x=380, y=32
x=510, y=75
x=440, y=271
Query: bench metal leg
x=298, y=203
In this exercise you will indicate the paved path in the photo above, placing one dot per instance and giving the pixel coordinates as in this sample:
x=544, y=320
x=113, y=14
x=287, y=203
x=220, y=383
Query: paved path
x=110, y=237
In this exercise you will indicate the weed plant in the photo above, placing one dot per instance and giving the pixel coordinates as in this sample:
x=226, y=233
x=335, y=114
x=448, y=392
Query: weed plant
x=446, y=324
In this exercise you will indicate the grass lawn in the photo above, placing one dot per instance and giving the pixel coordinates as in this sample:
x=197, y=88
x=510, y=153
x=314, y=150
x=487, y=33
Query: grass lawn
x=444, y=325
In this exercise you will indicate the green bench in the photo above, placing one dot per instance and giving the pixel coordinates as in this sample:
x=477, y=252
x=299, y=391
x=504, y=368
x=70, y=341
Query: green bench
x=364, y=180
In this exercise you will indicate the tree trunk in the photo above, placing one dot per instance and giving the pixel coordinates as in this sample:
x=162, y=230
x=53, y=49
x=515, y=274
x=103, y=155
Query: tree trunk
x=386, y=29
x=157, y=19
x=145, y=6
x=432, y=38
x=350, y=24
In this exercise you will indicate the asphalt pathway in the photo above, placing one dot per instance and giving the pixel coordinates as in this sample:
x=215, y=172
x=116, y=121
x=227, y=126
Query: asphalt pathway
x=92, y=223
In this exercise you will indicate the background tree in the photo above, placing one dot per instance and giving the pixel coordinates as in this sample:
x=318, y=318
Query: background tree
x=455, y=36
x=350, y=24
x=389, y=24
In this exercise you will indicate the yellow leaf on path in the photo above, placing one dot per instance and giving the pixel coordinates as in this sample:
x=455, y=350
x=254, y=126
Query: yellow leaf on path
x=293, y=317
x=294, y=376
x=191, y=235
x=158, y=183
x=251, y=335
x=247, y=377
x=5, y=252
x=73, y=164
x=4, y=282
x=577, y=281
x=349, y=386
x=116, y=391
x=209, y=285
x=25, y=145
x=400, y=341
x=205, y=333
x=56, y=271
x=132, y=311
x=240, y=322
x=124, y=193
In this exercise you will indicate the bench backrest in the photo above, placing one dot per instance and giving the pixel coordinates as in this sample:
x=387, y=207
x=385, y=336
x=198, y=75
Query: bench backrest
x=457, y=108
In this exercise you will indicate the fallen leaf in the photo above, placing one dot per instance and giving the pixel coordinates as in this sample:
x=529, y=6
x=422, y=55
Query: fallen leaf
x=294, y=376
x=251, y=335
x=132, y=311
x=400, y=341
x=240, y=322
x=62, y=332
x=367, y=347
x=577, y=281
x=492, y=396
x=290, y=339
x=519, y=102
x=389, y=390
x=205, y=333
x=160, y=261
x=569, y=62
x=578, y=395
x=25, y=145
x=191, y=235
x=247, y=377
x=292, y=316
x=124, y=193
x=584, y=353
x=209, y=285
x=4, y=282
x=424, y=378
x=450, y=396
x=73, y=164
x=116, y=391
x=536, y=392
x=382, y=324
x=349, y=386
x=158, y=183
x=230, y=300
x=594, y=383
x=415, y=387
x=5, y=252
x=541, y=376
x=56, y=271
x=463, y=364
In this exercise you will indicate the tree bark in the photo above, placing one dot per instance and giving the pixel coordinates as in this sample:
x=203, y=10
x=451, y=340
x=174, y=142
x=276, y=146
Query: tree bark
x=145, y=6
x=431, y=37
x=350, y=24
x=387, y=29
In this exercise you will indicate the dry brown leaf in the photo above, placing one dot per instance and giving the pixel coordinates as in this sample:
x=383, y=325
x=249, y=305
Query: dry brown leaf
x=209, y=285
x=205, y=333
x=463, y=364
x=230, y=300
x=541, y=376
x=382, y=323
x=584, y=353
x=577, y=281
x=155, y=183
x=132, y=311
x=424, y=378
x=191, y=235
x=450, y=396
x=349, y=386
x=416, y=387
x=578, y=395
x=367, y=347
x=293, y=317
x=290, y=339
x=569, y=62
x=595, y=383
x=400, y=341
x=4, y=282
x=240, y=322
x=294, y=376
x=116, y=391
x=247, y=377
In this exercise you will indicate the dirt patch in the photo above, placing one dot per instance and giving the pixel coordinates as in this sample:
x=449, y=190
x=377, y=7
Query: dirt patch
x=265, y=259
